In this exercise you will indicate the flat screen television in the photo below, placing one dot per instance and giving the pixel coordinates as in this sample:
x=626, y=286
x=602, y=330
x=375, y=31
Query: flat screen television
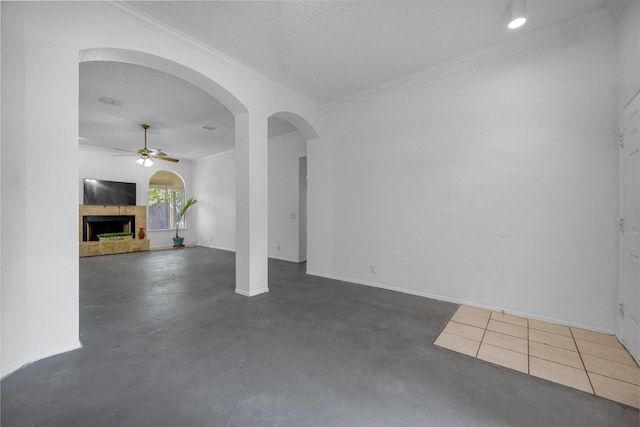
x=100, y=192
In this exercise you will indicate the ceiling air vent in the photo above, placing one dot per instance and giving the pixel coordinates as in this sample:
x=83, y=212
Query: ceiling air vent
x=109, y=101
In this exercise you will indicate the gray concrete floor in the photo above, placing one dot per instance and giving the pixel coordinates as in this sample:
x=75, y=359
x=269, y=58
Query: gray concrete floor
x=167, y=342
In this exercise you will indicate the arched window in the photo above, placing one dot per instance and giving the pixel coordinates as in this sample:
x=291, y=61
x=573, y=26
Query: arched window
x=166, y=197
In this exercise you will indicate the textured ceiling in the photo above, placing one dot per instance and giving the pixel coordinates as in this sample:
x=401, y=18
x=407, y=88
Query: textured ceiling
x=175, y=110
x=324, y=50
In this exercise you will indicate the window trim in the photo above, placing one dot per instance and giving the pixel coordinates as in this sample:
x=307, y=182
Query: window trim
x=172, y=210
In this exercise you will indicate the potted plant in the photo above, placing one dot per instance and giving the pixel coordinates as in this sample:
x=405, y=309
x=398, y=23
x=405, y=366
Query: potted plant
x=178, y=241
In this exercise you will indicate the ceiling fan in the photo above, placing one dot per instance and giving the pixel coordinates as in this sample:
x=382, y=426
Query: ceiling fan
x=146, y=154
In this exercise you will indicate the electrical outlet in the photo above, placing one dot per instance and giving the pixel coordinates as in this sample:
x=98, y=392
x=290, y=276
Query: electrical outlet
x=373, y=268
x=278, y=247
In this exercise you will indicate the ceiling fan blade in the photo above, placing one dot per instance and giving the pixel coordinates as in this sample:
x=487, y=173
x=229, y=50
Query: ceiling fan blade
x=145, y=152
x=156, y=152
x=168, y=159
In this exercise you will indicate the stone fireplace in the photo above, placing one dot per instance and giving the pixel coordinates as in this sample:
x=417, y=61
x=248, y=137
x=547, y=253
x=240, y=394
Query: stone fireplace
x=94, y=220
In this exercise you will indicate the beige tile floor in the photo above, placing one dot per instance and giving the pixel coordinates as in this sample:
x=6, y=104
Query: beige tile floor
x=585, y=360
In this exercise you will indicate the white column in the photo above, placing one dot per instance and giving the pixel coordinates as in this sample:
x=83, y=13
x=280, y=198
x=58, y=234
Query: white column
x=251, y=205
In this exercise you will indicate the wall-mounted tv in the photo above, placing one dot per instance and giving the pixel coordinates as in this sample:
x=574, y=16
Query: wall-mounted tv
x=100, y=192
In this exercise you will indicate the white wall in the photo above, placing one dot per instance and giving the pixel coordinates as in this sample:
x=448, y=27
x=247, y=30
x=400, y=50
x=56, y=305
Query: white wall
x=493, y=185
x=419, y=180
x=215, y=188
x=40, y=261
x=101, y=165
x=284, y=215
x=629, y=51
x=41, y=47
x=14, y=224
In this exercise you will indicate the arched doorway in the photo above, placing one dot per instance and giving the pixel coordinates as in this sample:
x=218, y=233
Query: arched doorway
x=250, y=275
x=166, y=196
x=251, y=162
x=289, y=134
x=161, y=64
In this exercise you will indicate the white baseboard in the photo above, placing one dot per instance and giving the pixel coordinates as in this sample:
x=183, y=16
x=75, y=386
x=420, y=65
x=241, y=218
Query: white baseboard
x=34, y=358
x=222, y=248
x=285, y=259
x=465, y=302
x=635, y=356
x=253, y=293
x=164, y=248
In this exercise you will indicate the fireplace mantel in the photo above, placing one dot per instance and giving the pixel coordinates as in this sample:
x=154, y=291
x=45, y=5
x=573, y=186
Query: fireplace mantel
x=91, y=248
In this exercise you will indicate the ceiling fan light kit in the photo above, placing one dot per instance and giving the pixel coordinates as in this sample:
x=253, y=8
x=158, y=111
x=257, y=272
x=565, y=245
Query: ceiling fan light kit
x=145, y=155
x=147, y=162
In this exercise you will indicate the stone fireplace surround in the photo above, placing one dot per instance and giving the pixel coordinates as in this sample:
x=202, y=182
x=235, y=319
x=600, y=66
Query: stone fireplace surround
x=131, y=217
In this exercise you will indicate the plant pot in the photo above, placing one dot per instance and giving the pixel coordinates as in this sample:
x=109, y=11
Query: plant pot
x=178, y=241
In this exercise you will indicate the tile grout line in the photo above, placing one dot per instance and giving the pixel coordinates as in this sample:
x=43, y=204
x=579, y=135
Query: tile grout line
x=528, y=350
x=528, y=333
x=604, y=359
x=582, y=361
x=483, y=334
x=458, y=335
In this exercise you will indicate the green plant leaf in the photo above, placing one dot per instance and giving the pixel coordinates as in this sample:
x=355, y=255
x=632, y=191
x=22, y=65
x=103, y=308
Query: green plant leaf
x=118, y=234
x=183, y=211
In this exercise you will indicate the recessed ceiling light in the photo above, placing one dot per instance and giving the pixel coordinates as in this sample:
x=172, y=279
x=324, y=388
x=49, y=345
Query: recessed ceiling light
x=208, y=127
x=517, y=11
x=516, y=23
x=110, y=101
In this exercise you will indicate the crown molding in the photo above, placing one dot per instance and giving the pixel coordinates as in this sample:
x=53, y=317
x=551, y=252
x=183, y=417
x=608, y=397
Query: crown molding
x=284, y=136
x=231, y=152
x=215, y=156
x=526, y=42
x=228, y=63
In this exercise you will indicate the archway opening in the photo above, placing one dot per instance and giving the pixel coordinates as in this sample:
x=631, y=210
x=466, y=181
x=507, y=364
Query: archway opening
x=190, y=116
x=289, y=134
x=165, y=198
